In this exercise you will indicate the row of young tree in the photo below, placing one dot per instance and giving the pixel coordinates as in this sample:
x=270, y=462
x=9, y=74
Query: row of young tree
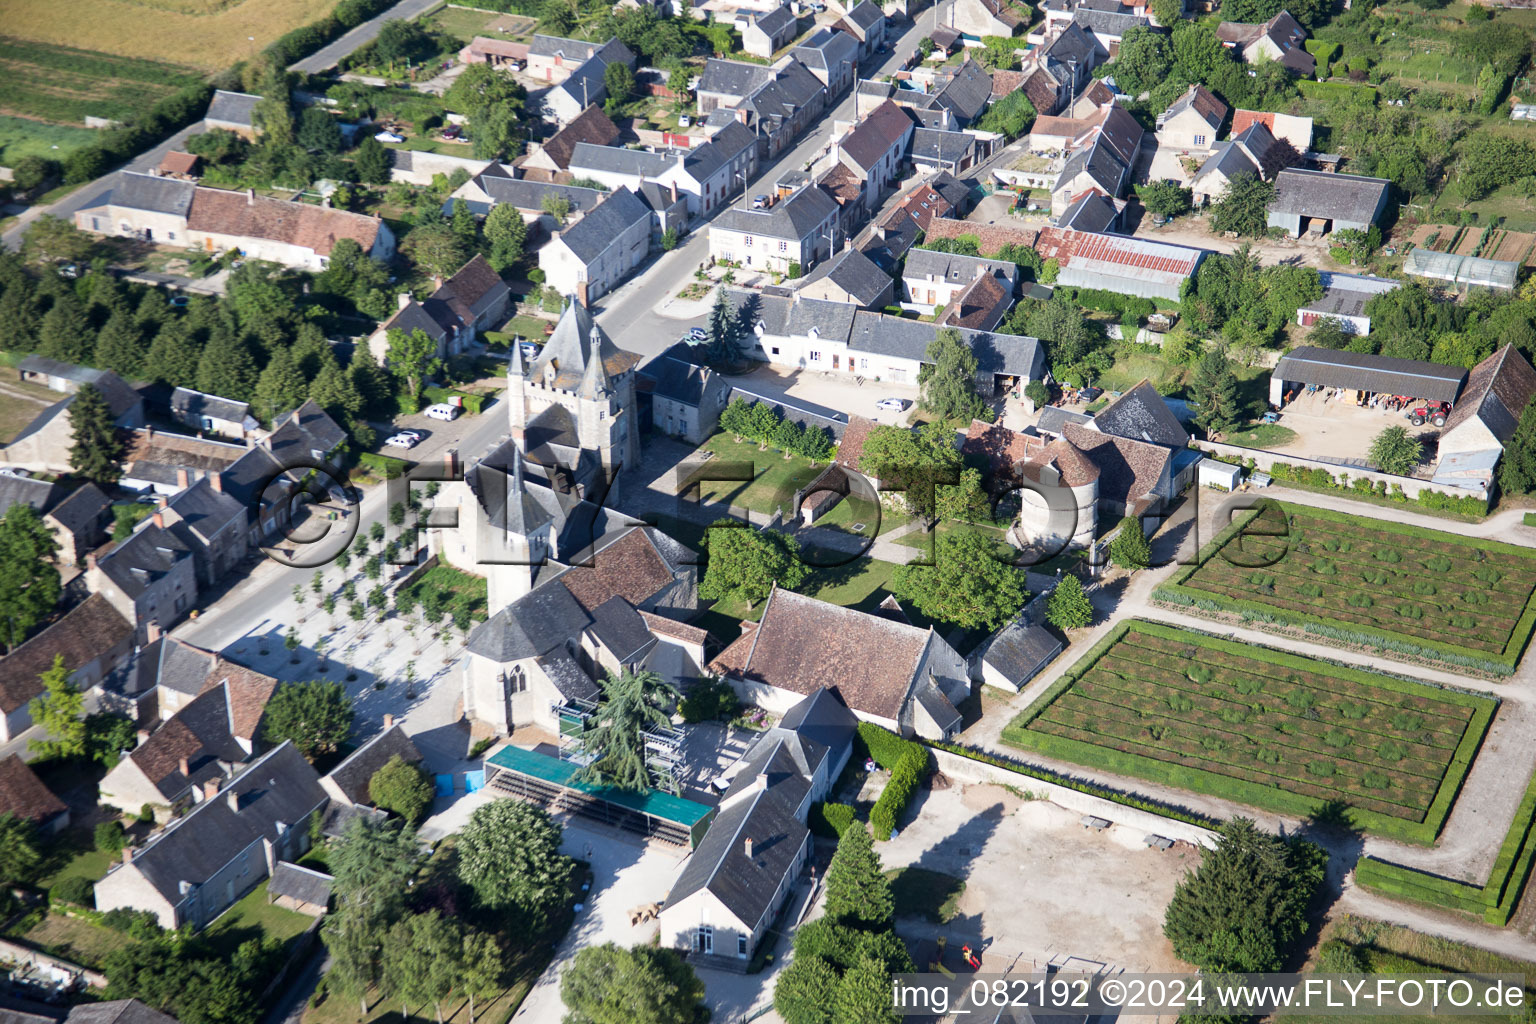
x=758, y=421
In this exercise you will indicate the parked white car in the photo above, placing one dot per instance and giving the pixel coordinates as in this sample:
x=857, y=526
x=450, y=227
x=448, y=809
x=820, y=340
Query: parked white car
x=443, y=411
x=403, y=441
x=893, y=404
x=389, y=137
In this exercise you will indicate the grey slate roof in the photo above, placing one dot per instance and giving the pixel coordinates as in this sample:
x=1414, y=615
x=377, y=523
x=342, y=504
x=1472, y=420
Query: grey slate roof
x=232, y=107
x=1099, y=162
x=824, y=719
x=353, y=774
x=1090, y=212
x=794, y=218
x=135, y=191
x=186, y=402
x=26, y=491
x=941, y=147
x=568, y=676
x=621, y=629
x=1074, y=43
x=1362, y=372
x=529, y=195
x=1052, y=419
x=558, y=46
x=300, y=883
x=601, y=227
x=144, y=557
x=280, y=786
x=1021, y=650
x=79, y=511
x=57, y=368
x=828, y=49
x=1142, y=415
x=612, y=159
x=175, y=665
x=966, y=94
x=745, y=886
x=674, y=375
x=724, y=146
x=534, y=624
x=204, y=511
x=866, y=14
x=1346, y=197
x=995, y=353
x=854, y=273
x=954, y=268
x=733, y=77
x=1107, y=23
x=777, y=21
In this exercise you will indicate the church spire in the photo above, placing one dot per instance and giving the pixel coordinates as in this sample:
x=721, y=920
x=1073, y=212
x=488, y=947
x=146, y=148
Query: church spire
x=516, y=370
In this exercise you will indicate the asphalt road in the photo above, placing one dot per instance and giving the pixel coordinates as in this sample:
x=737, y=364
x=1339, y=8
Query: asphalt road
x=629, y=314
x=328, y=57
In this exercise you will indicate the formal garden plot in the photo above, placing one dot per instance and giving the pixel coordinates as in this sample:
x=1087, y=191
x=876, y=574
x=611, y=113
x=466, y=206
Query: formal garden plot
x=1261, y=727
x=1366, y=581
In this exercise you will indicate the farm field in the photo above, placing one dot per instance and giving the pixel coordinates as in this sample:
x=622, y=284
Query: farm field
x=1261, y=727
x=1358, y=580
x=166, y=31
x=21, y=136
x=64, y=85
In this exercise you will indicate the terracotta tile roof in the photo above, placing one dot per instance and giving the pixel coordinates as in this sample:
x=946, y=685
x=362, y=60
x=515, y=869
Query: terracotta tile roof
x=979, y=305
x=87, y=631
x=1065, y=127
x=851, y=448
x=1246, y=118
x=311, y=227
x=160, y=756
x=591, y=126
x=248, y=694
x=1041, y=88
x=804, y=645
x=663, y=626
x=843, y=184
x=487, y=46
x=473, y=282
x=23, y=794
x=630, y=568
x=179, y=163
x=921, y=206
x=989, y=237
x=1004, y=12
x=1003, y=447
x=180, y=451
x=1128, y=470
x=1075, y=468
x=1005, y=82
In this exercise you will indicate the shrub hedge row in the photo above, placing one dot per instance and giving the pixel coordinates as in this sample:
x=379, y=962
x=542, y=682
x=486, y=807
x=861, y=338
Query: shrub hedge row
x=828, y=820
x=473, y=404
x=1180, y=591
x=906, y=760
x=1495, y=901
x=1199, y=780
x=119, y=145
x=383, y=465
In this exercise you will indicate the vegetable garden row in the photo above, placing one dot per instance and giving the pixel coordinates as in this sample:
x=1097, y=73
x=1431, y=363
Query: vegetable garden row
x=1261, y=727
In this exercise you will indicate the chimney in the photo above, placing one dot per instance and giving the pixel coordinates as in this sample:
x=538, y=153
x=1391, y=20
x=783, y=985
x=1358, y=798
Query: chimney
x=90, y=562
x=216, y=481
x=746, y=847
x=152, y=630
x=760, y=782
x=143, y=736
x=389, y=721
x=250, y=197
x=127, y=855
x=210, y=789
x=181, y=479
x=159, y=518
x=234, y=799
x=403, y=299
x=451, y=462
x=149, y=433
x=186, y=769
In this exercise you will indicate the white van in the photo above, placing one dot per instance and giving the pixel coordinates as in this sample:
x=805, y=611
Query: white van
x=443, y=411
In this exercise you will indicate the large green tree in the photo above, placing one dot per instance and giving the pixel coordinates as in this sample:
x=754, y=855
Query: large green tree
x=1396, y=451
x=281, y=387
x=1215, y=390
x=744, y=563
x=913, y=462
x=1517, y=469
x=97, y=452
x=226, y=367
x=609, y=984
x=29, y=581
x=60, y=712
x=373, y=863
x=1245, y=907
x=1165, y=198
x=1244, y=207
x=1069, y=606
x=19, y=852
x=316, y=716
x=372, y=160
x=412, y=357
x=420, y=960
x=632, y=704
x=66, y=333
x=858, y=893
x=435, y=248
x=1129, y=549
x=173, y=356
x=506, y=233
x=509, y=855
x=724, y=330
x=948, y=378
x=119, y=346
x=968, y=586
x=402, y=787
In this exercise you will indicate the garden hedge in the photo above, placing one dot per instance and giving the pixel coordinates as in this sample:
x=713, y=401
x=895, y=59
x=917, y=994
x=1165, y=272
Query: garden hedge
x=828, y=820
x=906, y=760
x=1178, y=590
x=385, y=466
x=473, y=404
x=1496, y=900
x=1268, y=797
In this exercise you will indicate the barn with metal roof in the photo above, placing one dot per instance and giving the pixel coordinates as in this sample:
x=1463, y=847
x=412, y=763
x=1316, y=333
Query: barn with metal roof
x=1359, y=371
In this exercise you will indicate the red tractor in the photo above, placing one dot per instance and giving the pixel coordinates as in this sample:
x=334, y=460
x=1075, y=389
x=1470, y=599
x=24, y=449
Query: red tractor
x=1431, y=412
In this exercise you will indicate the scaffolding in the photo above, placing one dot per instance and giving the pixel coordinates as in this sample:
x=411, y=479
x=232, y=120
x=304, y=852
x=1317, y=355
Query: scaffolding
x=664, y=758
x=573, y=714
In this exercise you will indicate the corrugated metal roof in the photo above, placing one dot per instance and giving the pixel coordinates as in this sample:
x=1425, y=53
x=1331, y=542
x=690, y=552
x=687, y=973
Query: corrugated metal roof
x=1362, y=372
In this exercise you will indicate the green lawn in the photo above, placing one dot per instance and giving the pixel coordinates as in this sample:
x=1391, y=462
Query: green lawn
x=75, y=938
x=253, y=917
x=1262, y=435
x=459, y=22
x=462, y=594
x=920, y=892
x=76, y=861
x=774, y=479
x=20, y=136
